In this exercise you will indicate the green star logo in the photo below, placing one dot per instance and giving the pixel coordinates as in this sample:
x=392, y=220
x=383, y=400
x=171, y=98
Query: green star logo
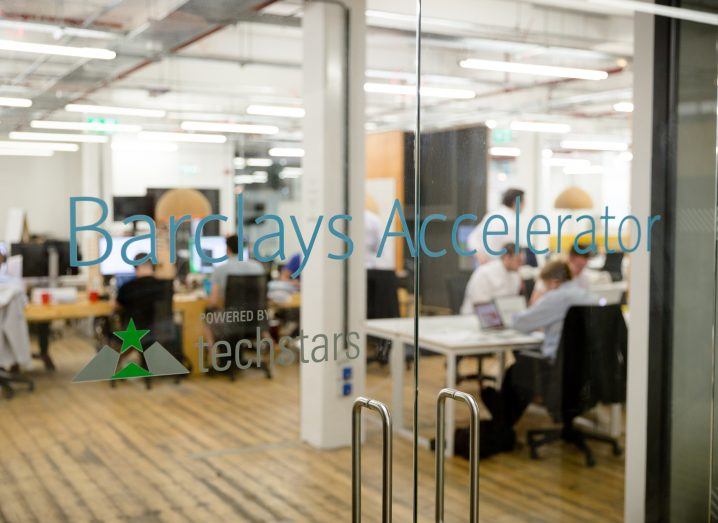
x=105, y=365
x=131, y=337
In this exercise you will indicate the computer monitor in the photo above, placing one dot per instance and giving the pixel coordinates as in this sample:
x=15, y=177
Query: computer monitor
x=126, y=206
x=63, y=257
x=35, y=260
x=508, y=306
x=212, y=246
x=114, y=264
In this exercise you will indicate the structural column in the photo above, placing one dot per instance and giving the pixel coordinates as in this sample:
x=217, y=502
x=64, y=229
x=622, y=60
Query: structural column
x=327, y=285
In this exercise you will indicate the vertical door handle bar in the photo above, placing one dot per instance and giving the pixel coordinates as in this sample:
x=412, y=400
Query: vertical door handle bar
x=359, y=404
x=453, y=394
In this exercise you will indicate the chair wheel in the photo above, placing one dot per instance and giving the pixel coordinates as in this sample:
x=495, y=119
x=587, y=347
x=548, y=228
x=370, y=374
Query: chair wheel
x=8, y=393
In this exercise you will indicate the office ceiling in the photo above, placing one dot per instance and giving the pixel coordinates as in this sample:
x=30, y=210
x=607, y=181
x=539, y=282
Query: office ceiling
x=209, y=60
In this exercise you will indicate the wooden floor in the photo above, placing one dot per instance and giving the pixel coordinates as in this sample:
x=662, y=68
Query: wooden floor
x=211, y=450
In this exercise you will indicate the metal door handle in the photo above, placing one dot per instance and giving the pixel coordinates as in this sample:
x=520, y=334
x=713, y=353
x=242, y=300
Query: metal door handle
x=453, y=394
x=359, y=404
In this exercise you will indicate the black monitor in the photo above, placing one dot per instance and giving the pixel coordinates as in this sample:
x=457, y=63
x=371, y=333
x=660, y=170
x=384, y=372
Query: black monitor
x=63, y=257
x=126, y=206
x=35, y=261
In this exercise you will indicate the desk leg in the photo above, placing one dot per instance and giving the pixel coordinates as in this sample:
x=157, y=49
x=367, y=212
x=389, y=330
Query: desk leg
x=449, y=412
x=43, y=340
x=396, y=363
x=502, y=369
x=615, y=428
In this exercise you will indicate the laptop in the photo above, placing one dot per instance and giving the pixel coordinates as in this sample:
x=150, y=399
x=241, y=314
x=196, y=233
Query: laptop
x=508, y=306
x=489, y=317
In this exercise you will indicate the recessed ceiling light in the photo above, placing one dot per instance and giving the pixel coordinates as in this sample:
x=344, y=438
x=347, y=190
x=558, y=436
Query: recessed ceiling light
x=58, y=137
x=276, y=110
x=155, y=136
x=229, y=127
x=15, y=102
x=288, y=152
x=533, y=69
x=57, y=50
x=85, y=126
x=623, y=107
x=108, y=109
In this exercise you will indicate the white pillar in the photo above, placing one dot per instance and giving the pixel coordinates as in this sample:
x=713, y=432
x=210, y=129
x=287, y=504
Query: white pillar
x=96, y=181
x=529, y=171
x=325, y=413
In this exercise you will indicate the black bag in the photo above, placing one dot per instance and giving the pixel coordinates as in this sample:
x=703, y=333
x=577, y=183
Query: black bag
x=493, y=438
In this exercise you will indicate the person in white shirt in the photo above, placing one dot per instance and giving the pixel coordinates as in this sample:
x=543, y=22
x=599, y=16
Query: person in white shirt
x=577, y=262
x=507, y=211
x=493, y=279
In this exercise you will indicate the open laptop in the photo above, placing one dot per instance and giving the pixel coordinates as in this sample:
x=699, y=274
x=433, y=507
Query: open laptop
x=489, y=317
x=508, y=306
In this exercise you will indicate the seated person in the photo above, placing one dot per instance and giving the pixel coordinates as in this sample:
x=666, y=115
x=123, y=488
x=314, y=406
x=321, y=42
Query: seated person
x=135, y=299
x=289, y=268
x=547, y=314
x=577, y=262
x=233, y=267
x=493, y=279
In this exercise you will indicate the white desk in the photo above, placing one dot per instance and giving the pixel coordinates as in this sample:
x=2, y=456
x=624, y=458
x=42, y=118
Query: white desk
x=450, y=336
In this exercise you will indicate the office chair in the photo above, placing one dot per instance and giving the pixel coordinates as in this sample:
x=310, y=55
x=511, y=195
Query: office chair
x=160, y=322
x=613, y=265
x=382, y=301
x=590, y=367
x=456, y=288
x=7, y=379
x=242, y=294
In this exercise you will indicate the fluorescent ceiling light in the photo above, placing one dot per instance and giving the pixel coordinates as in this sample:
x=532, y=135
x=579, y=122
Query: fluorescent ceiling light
x=58, y=137
x=567, y=162
x=276, y=110
x=247, y=179
x=491, y=124
x=288, y=152
x=623, y=107
x=55, y=30
x=49, y=146
x=259, y=162
x=505, y=151
x=660, y=10
x=85, y=126
x=533, y=69
x=583, y=169
x=15, y=102
x=588, y=145
x=57, y=50
x=540, y=127
x=626, y=156
x=26, y=152
x=162, y=147
x=291, y=172
x=243, y=128
x=155, y=136
x=410, y=90
x=547, y=153
x=107, y=109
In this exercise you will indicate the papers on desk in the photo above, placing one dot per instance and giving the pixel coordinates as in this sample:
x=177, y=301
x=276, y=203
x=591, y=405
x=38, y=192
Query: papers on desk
x=57, y=294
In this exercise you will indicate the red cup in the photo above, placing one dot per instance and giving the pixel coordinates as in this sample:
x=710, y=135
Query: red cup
x=94, y=296
x=45, y=298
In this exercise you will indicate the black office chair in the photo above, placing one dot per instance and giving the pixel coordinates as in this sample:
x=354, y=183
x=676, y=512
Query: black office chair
x=159, y=319
x=243, y=294
x=613, y=265
x=590, y=367
x=8, y=378
x=456, y=288
x=382, y=301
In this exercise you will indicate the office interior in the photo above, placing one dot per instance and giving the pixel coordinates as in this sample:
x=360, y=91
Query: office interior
x=306, y=110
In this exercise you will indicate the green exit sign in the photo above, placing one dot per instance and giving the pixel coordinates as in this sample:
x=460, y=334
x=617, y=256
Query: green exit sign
x=501, y=136
x=101, y=119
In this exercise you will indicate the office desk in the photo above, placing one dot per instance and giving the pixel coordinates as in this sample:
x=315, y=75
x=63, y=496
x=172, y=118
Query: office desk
x=189, y=306
x=450, y=336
